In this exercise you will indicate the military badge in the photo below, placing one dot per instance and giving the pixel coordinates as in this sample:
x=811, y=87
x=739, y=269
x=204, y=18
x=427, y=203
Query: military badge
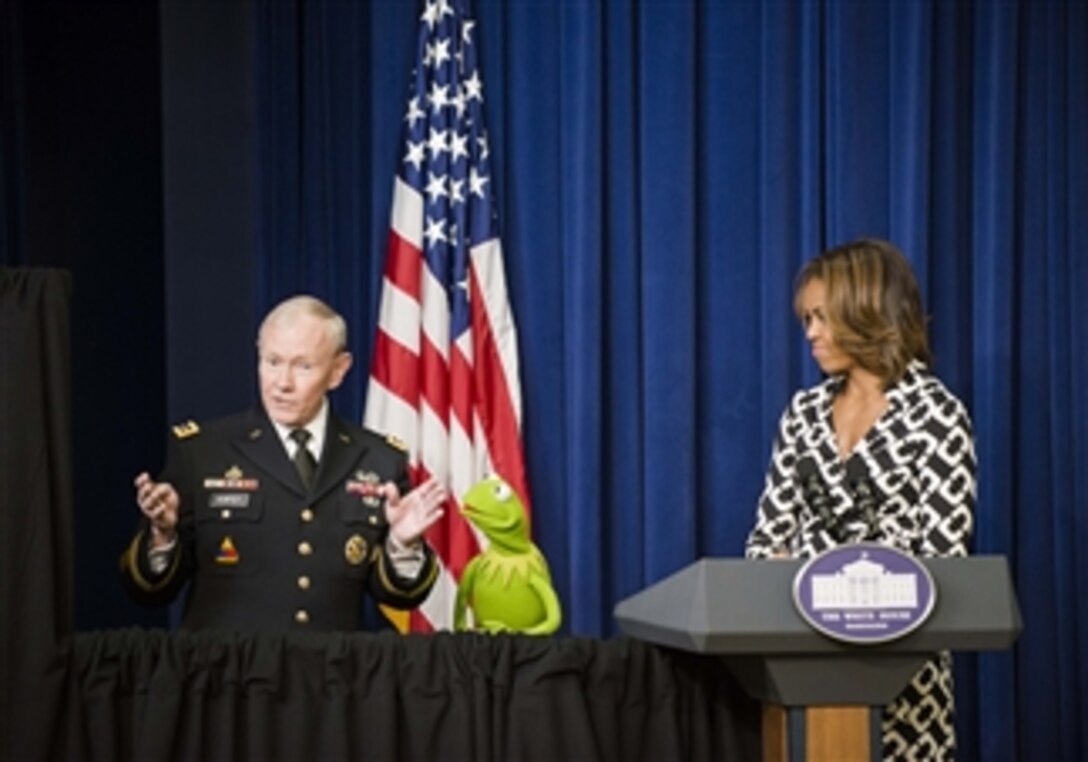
x=232, y=479
x=228, y=554
x=368, y=486
x=186, y=430
x=355, y=549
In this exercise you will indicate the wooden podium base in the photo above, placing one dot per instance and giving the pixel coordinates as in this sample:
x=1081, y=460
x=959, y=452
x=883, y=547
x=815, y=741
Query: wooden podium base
x=821, y=734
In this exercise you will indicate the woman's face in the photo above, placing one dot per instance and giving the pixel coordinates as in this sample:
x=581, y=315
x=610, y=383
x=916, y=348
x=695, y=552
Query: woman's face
x=828, y=355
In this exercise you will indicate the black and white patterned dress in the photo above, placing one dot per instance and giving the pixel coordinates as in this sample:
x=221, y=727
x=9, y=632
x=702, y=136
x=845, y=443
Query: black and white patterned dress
x=920, y=456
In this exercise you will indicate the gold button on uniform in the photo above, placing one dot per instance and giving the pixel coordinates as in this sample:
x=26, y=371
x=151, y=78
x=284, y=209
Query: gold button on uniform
x=373, y=519
x=304, y=582
x=225, y=513
x=307, y=515
x=304, y=548
x=301, y=616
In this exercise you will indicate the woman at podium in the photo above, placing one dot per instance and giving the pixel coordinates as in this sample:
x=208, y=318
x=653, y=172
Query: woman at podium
x=880, y=451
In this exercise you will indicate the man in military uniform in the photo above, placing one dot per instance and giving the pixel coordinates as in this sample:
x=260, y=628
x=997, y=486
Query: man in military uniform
x=282, y=517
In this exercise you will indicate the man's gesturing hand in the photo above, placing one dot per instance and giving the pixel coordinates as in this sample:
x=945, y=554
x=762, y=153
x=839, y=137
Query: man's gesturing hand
x=412, y=515
x=159, y=502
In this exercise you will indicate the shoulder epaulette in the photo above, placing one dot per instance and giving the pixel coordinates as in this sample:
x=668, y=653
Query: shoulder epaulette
x=186, y=430
x=397, y=442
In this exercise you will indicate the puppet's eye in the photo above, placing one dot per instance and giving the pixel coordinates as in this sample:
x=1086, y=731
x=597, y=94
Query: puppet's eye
x=501, y=491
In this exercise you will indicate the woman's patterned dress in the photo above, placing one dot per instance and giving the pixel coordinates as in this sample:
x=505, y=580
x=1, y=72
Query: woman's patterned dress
x=920, y=457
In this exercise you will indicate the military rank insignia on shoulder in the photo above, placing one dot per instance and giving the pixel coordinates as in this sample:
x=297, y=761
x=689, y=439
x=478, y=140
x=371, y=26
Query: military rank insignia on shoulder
x=397, y=443
x=185, y=430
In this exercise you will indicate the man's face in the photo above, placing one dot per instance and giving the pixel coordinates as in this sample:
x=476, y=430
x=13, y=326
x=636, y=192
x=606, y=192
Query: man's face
x=297, y=365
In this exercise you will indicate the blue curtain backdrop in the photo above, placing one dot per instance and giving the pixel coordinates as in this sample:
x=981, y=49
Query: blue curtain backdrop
x=662, y=169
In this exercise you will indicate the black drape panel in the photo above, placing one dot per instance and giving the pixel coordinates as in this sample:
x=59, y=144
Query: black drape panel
x=10, y=117
x=143, y=695
x=36, y=542
x=81, y=190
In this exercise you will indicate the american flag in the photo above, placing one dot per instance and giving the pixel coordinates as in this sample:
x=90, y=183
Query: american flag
x=444, y=377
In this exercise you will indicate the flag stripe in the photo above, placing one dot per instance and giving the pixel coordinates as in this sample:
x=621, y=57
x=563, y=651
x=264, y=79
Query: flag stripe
x=398, y=318
x=434, y=377
x=436, y=313
x=493, y=405
x=461, y=394
x=396, y=368
x=403, y=266
x=433, y=444
x=407, y=218
x=487, y=264
x=390, y=413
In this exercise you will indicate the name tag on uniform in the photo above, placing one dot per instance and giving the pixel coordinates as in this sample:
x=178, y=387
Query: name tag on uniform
x=228, y=500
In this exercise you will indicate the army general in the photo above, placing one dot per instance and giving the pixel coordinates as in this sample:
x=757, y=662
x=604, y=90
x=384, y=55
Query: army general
x=282, y=517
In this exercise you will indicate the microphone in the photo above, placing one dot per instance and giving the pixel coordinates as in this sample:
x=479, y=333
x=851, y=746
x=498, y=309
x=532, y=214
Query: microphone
x=814, y=491
x=865, y=494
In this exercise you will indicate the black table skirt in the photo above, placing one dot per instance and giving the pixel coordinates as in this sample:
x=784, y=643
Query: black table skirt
x=152, y=695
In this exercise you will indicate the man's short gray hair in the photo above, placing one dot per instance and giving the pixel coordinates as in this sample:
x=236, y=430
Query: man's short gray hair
x=304, y=304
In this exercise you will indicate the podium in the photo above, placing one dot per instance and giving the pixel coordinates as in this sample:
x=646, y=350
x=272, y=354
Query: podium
x=822, y=698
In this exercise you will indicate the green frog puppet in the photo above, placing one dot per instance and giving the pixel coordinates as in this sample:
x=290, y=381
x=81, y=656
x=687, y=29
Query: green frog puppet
x=508, y=586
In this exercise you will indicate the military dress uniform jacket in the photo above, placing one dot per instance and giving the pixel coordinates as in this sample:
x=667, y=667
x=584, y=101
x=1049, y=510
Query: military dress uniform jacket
x=261, y=551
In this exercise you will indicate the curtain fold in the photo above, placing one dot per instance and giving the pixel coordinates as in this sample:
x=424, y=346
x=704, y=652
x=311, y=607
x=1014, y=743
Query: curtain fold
x=36, y=538
x=662, y=170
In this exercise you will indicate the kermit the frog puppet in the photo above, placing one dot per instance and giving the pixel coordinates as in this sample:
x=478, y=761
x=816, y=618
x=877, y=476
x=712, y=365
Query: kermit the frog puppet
x=507, y=587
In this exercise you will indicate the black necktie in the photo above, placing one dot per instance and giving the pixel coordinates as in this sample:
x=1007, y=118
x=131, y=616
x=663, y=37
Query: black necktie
x=304, y=459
